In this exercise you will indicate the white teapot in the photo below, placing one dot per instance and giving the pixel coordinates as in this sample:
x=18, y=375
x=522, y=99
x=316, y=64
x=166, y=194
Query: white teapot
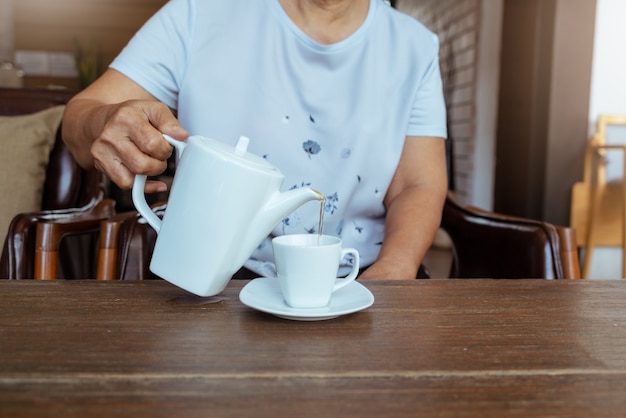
x=223, y=202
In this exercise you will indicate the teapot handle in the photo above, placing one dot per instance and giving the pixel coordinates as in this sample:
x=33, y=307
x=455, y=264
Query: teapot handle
x=138, y=195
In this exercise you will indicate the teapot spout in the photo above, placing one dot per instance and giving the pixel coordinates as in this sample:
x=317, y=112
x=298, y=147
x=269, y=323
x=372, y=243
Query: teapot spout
x=282, y=204
x=278, y=207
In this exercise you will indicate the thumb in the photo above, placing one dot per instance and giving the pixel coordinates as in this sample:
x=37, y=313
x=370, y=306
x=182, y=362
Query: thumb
x=175, y=131
x=161, y=117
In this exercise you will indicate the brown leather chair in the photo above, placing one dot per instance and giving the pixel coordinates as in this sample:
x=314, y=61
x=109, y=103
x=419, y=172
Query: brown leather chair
x=492, y=245
x=484, y=245
x=73, y=203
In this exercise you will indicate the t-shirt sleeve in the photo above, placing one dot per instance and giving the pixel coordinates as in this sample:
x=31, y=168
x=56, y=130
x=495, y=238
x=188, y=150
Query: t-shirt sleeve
x=156, y=56
x=428, y=114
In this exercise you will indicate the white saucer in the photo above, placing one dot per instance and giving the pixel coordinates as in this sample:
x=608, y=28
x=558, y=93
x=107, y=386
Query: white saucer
x=264, y=295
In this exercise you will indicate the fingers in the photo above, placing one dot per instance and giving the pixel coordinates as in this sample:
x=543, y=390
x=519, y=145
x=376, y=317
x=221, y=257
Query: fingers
x=155, y=186
x=140, y=122
x=131, y=141
x=121, y=160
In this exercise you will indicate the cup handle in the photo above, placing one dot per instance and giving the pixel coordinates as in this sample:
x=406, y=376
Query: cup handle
x=138, y=195
x=355, y=268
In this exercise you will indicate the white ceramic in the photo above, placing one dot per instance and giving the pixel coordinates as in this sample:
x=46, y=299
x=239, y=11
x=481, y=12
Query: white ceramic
x=264, y=294
x=307, y=267
x=223, y=202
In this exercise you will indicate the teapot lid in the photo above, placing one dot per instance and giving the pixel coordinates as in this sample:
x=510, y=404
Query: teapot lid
x=239, y=154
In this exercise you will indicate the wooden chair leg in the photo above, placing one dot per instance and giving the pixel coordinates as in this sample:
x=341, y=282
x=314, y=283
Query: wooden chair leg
x=569, y=252
x=108, y=252
x=107, y=262
x=46, y=251
x=594, y=206
x=624, y=217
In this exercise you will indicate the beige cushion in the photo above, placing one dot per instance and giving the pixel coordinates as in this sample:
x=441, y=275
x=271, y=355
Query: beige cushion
x=26, y=142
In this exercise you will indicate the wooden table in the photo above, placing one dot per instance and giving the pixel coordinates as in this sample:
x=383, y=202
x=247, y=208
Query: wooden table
x=461, y=348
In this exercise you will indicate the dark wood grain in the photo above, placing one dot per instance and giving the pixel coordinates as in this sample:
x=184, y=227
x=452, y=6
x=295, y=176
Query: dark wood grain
x=425, y=348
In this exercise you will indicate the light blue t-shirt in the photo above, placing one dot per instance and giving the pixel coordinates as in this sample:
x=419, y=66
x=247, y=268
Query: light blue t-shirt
x=332, y=117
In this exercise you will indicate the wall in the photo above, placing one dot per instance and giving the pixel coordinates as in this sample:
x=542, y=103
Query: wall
x=60, y=25
x=6, y=30
x=544, y=100
x=608, y=84
x=569, y=104
x=469, y=63
x=537, y=95
x=488, y=76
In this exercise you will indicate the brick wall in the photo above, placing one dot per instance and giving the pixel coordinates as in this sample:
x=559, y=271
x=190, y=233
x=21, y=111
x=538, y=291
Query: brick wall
x=457, y=23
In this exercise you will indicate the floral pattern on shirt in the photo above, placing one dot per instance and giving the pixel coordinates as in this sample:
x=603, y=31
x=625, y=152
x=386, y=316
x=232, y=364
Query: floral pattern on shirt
x=331, y=203
x=311, y=147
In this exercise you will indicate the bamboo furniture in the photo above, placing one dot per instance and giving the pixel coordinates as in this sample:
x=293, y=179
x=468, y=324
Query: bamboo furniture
x=598, y=211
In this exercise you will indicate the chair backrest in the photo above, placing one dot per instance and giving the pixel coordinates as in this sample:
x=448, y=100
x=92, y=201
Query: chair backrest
x=68, y=188
x=67, y=184
x=491, y=245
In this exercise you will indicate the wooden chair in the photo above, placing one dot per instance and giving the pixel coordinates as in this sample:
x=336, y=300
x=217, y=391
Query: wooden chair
x=598, y=210
x=126, y=246
x=57, y=241
x=492, y=245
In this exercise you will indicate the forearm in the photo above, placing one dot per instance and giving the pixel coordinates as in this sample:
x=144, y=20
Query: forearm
x=82, y=124
x=414, y=202
x=412, y=221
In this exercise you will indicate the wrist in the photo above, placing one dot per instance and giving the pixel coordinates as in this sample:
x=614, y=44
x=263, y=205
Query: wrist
x=391, y=268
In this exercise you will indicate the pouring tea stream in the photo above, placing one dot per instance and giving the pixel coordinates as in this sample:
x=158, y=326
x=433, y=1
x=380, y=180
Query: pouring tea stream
x=223, y=202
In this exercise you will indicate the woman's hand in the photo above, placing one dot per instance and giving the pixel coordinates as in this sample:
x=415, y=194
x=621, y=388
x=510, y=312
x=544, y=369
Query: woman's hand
x=116, y=126
x=388, y=269
x=131, y=142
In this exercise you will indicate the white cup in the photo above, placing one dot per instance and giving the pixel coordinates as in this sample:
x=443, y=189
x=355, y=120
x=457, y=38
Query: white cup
x=307, y=266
